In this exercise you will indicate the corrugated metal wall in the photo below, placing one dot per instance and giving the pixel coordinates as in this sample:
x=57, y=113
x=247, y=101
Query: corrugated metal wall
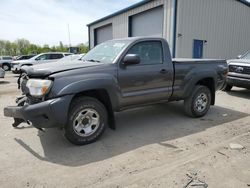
x=224, y=24
x=120, y=22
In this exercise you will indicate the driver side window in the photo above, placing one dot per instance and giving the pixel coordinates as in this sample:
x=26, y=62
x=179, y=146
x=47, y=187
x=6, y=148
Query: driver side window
x=150, y=52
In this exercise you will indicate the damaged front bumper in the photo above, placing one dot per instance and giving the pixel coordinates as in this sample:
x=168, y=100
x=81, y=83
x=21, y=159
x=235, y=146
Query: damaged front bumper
x=46, y=114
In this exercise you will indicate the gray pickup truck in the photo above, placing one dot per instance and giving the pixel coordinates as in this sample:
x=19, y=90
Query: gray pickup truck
x=82, y=97
x=239, y=72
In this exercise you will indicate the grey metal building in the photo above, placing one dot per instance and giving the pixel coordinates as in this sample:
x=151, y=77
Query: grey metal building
x=193, y=28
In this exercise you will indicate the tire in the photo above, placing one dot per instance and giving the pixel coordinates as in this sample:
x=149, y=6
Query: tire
x=6, y=67
x=199, y=102
x=87, y=121
x=228, y=88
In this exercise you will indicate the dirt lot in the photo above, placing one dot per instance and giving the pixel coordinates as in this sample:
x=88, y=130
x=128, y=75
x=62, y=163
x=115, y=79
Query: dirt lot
x=155, y=146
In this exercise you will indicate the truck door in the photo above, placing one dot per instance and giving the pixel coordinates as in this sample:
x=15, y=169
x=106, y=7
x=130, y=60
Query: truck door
x=150, y=80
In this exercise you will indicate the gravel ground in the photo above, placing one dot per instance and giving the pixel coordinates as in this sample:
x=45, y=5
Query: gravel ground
x=154, y=146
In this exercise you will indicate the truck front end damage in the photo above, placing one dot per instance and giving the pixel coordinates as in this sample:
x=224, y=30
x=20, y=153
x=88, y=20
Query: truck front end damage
x=35, y=108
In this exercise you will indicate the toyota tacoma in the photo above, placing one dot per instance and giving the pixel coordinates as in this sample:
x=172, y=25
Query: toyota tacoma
x=239, y=72
x=81, y=97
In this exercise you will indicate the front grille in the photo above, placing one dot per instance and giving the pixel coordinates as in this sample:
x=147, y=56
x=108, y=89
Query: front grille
x=239, y=69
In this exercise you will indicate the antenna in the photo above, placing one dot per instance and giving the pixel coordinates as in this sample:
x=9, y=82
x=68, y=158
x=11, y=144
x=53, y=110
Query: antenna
x=69, y=36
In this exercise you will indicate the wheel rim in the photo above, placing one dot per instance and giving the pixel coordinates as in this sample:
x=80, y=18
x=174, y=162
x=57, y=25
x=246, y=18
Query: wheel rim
x=201, y=102
x=86, y=122
x=5, y=67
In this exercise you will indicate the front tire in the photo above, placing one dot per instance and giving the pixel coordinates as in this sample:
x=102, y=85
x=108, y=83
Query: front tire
x=199, y=102
x=86, y=122
x=6, y=67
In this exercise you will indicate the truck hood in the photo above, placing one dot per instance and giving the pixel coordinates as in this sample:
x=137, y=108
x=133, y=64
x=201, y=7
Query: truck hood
x=47, y=69
x=238, y=61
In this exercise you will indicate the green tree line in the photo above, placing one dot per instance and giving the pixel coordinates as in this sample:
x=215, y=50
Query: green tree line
x=24, y=47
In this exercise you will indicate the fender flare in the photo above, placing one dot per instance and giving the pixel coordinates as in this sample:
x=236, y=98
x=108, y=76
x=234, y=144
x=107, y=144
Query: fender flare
x=193, y=78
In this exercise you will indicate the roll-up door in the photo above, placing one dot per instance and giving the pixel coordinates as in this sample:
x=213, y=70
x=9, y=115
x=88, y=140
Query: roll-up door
x=103, y=34
x=147, y=23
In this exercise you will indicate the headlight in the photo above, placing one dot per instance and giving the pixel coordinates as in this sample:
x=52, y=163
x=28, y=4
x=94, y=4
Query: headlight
x=38, y=88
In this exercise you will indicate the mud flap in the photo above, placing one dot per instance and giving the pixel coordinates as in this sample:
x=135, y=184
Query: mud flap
x=111, y=121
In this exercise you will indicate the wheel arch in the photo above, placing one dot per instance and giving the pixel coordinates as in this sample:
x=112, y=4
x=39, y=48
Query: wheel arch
x=103, y=96
x=209, y=82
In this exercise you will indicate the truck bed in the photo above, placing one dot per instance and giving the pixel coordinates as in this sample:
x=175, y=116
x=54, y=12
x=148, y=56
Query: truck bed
x=187, y=71
x=190, y=60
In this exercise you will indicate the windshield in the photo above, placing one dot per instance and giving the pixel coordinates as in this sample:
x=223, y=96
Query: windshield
x=246, y=56
x=105, y=52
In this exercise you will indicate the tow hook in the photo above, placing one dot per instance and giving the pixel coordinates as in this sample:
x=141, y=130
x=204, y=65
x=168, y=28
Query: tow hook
x=17, y=122
x=20, y=102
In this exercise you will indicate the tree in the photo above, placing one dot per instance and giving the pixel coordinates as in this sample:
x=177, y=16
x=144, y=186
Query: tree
x=84, y=48
x=2, y=47
x=24, y=47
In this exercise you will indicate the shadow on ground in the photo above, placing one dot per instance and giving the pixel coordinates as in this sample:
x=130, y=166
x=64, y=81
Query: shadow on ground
x=244, y=93
x=135, y=128
x=4, y=82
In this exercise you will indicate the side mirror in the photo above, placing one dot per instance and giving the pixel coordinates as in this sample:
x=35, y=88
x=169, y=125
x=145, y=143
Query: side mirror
x=239, y=56
x=131, y=59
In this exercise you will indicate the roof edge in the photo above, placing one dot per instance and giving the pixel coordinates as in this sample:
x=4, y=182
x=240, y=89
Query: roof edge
x=120, y=11
x=244, y=2
x=137, y=5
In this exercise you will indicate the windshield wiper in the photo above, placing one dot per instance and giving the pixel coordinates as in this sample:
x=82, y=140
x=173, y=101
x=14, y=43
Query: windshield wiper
x=92, y=60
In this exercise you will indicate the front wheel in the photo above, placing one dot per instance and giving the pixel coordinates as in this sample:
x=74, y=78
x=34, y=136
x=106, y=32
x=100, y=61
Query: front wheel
x=199, y=102
x=86, y=122
x=6, y=67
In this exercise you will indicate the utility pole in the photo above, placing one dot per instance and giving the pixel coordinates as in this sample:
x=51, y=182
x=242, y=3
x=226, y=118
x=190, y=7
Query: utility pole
x=69, y=36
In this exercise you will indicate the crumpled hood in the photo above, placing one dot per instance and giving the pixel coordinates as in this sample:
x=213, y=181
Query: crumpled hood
x=47, y=69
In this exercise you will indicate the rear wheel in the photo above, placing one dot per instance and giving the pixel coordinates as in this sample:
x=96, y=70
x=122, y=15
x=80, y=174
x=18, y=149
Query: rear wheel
x=87, y=121
x=199, y=102
x=228, y=88
x=6, y=67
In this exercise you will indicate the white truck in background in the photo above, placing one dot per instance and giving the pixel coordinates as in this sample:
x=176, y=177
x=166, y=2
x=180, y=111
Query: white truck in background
x=38, y=59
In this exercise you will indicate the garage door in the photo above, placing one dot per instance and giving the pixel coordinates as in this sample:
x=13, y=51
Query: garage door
x=148, y=23
x=103, y=34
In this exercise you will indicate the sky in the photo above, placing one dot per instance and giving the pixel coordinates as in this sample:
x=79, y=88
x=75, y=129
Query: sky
x=46, y=21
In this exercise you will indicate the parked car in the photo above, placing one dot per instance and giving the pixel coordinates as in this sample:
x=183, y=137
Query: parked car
x=2, y=73
x=38, y=59
x=82, y=97
x=5, y=62
x=239, y=72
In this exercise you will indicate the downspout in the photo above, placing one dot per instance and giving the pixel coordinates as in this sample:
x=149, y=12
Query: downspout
x=174, y=30
x=89, y=35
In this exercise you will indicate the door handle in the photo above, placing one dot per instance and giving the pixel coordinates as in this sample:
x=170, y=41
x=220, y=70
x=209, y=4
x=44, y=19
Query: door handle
x=163, y=71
